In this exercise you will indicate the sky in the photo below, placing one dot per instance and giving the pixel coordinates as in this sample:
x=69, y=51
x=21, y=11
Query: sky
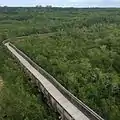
x=62, y=3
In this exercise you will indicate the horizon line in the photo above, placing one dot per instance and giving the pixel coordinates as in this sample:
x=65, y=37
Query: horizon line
x=61, y=6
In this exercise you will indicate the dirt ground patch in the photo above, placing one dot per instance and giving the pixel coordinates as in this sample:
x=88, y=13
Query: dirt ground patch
x=1, y=82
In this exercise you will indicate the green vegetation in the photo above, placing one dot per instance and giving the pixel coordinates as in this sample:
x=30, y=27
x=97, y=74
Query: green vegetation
x=82, y=52
x=18, y=99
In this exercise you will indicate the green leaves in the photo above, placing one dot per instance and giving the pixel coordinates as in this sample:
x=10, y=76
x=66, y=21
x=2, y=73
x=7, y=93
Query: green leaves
x=83, y=55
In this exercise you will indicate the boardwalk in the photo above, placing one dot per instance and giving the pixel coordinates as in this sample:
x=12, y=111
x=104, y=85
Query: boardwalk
x=52, y=90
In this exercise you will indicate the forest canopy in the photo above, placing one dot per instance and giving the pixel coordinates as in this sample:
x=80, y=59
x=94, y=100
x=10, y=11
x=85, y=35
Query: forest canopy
x=79, y=47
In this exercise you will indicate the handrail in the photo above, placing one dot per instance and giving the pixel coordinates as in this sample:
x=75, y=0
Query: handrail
x=79, y=104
